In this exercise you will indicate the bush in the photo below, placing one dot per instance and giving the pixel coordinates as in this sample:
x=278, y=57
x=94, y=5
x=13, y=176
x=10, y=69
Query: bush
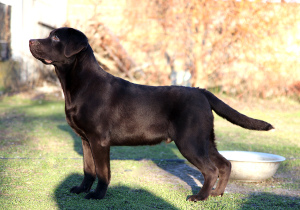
x=9, y=76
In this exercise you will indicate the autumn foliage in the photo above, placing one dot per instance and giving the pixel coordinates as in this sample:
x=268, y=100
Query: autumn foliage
x=237, y=47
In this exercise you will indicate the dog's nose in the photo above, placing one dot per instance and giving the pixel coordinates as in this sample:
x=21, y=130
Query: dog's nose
x=32, y=42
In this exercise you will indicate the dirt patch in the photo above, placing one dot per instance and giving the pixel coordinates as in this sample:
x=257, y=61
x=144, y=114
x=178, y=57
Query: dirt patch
x=45, y=91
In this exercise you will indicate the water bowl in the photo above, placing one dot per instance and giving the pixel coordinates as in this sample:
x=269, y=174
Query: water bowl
x=252, y=166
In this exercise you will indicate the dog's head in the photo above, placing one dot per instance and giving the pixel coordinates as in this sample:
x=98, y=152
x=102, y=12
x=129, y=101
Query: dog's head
x=60, y=47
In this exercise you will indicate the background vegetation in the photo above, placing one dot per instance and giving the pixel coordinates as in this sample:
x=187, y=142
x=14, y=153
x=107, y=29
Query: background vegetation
x=242, y=48
x=238, y=47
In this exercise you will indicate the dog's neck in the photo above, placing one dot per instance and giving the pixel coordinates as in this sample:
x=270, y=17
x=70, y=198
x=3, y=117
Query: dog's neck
x=71, y=77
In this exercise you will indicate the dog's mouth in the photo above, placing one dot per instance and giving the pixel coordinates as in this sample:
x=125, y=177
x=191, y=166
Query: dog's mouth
x=35, y=50
x=48, y=61
x=45, y=61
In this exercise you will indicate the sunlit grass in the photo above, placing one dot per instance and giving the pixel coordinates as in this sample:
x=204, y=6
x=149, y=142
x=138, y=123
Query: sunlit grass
x=41, y=159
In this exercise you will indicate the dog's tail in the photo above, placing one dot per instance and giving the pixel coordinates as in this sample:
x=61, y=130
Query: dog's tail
x=234, y=116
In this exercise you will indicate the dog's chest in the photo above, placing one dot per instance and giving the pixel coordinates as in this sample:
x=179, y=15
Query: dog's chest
x=72, y=120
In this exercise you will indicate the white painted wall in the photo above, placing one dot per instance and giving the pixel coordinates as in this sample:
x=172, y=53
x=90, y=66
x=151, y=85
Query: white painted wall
x=25, y=18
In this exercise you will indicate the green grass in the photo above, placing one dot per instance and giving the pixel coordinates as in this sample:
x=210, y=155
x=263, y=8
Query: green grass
x=41, y=159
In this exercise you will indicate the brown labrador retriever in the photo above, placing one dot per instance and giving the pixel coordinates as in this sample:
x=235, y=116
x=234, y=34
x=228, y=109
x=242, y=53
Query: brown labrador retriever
x=108, y=111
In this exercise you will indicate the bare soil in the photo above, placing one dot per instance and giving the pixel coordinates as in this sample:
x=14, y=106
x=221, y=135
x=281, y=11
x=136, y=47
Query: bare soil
x=185, y=175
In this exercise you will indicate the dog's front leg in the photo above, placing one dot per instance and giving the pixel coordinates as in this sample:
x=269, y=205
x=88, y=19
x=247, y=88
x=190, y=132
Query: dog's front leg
x=102, y=163
x=88, y=168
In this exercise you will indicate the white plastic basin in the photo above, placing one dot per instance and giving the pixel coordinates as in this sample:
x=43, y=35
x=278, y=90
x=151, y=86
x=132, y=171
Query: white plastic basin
x=252, y=166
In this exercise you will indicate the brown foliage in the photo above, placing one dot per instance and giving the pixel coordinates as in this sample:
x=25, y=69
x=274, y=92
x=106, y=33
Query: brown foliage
x=244, y=48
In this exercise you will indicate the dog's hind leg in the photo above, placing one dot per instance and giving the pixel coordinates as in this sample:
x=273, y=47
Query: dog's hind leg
x=210, y=173
x=196, y=152
x=224, y=167
x=89, y=170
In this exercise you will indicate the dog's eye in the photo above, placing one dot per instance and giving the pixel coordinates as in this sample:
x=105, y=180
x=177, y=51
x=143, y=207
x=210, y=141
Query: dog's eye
x=55, y=38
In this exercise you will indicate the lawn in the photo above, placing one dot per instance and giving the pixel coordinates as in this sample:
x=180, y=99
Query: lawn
x=41, y=159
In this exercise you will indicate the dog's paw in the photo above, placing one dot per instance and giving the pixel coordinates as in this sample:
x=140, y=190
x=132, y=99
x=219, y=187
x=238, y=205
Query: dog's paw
x=196, y=198
x=78, y=189
x=215, y=193
x=95, y=195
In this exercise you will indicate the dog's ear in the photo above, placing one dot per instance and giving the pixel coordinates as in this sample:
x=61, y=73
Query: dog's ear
x=77, y=42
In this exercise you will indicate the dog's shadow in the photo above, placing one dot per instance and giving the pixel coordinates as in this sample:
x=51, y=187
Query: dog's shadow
x=117, y=197
x=182, y=170
x=174, y=166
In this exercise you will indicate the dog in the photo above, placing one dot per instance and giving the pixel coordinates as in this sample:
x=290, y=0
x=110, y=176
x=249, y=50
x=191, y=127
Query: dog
x=105, y=111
